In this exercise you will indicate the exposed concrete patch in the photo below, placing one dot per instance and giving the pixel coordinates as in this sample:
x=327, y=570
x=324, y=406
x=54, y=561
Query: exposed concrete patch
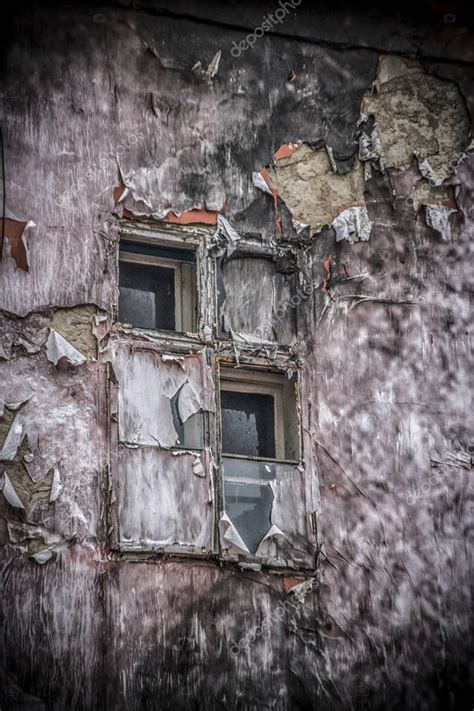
x=417, y=114
x=75, y=325
x=312, y=191
x=426, y=194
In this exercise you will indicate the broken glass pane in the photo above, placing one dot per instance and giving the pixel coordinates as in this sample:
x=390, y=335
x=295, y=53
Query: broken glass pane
x=249, y=507
x=248, y=424
x=147, y=296
x=251, y=469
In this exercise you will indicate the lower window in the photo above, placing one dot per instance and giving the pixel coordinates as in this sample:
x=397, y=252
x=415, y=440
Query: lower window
x=260, y=437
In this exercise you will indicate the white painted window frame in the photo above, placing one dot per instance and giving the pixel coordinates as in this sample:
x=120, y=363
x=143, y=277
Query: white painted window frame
x=184, y=286
x=263, y=383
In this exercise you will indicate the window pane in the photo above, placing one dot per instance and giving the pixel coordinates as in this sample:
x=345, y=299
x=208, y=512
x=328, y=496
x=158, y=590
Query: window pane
x=234, y=468
x=147, y=296
x=249, y=507
x=248, y=424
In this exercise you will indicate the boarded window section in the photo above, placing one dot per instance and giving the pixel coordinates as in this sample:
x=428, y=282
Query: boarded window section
x=248, y=424
x=157, y=287
x=254, y=300
x=161, y=398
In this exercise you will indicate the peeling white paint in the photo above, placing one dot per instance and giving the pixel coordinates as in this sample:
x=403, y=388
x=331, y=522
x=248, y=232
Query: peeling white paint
x=13, y=439
x=267, y=548
x=148, y=382
x=198, y=467
x=230, y=235
x=57, y=347
x=299, y=227
x=427, y=172
x=260, y=183
x=437, y=217
x=9, y=492
x=56, y=486
x=231, y=540
x=189, y=402
x=43, y=556
x=353, y=224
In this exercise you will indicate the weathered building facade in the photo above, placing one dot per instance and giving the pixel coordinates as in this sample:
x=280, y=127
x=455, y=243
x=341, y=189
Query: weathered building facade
x=257, y=496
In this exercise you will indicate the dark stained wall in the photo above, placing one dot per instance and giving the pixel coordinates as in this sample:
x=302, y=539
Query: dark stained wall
x=98, y=98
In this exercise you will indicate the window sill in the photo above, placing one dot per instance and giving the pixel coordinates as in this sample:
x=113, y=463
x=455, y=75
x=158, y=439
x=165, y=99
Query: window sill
x=178, y=338
x=292, y=462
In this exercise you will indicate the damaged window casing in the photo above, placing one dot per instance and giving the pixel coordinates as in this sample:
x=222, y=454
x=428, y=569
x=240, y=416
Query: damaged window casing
x=157, y=285
x=178, y=481
x=252, y=287
x=259, y=414
x=259, y=431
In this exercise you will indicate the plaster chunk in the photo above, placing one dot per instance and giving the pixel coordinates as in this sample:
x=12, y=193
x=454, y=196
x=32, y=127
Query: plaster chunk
x=419, y=115
x=426, y=194
x=313, y=193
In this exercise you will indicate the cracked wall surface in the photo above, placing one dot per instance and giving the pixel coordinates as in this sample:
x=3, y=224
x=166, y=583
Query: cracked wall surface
x=329, y=173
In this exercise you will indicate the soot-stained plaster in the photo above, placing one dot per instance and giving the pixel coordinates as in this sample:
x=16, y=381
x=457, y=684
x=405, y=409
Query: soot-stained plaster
x=327, y=170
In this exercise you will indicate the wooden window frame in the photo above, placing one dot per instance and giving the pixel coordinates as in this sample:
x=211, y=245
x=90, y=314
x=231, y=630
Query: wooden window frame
x=260, y=382
x=184, y=287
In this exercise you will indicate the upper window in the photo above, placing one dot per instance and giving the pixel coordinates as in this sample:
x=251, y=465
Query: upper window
x=157, y=287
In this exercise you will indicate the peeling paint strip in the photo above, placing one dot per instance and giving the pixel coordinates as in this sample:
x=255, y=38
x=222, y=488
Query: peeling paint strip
x=231, y=540
x=352, y=224
x=12, y=405
x=198, y=467
x=260, y=183
x=437, y=217
x=189, y=402
x=225, y=229
x=57, y=347
x=56, y=486
x=43, y=556
x=13, y=440
x=9, y=492
x=267, y=546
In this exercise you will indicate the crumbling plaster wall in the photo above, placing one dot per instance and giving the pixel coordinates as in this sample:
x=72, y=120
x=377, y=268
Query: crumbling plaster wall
x=97, y=100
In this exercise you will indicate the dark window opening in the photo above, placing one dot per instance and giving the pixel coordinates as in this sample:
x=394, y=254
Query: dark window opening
x=147, y=296
x=248, y=424
x=249, y=507
x=157, y=287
